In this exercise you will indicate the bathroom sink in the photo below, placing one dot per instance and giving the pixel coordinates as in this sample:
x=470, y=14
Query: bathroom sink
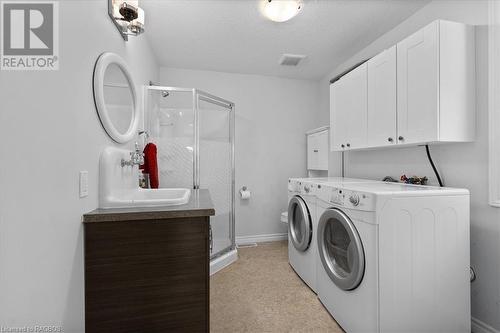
x=149, y=198
x=119, y=185
x=163, y=196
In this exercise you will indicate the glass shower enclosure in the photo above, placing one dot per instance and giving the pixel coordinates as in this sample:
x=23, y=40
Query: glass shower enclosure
x=194, y=134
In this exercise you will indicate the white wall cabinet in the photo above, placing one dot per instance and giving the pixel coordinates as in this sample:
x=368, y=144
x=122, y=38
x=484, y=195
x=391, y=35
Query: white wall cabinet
x=349, y=110
x=420, y=91
x=317, y=149
x=418, y=86
x=381, y=124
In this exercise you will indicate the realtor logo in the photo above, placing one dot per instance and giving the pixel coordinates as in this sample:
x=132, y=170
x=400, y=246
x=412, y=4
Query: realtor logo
x=30, y=35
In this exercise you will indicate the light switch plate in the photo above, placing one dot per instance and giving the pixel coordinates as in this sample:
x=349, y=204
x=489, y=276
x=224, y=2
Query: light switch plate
x=84, y=184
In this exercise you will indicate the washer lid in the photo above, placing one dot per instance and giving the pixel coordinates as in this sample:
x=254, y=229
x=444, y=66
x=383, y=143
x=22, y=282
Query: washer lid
x=340, y=249
x=299, y=223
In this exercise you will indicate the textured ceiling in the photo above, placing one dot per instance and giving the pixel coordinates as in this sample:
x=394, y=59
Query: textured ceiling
x=232, y=35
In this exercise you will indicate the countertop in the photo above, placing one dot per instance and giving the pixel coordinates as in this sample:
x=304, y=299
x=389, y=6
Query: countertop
x=200, y=204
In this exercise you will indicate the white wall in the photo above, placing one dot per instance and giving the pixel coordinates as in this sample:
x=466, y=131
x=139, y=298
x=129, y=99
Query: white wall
x=461, y=165
x=272, y=116
x=49, y=131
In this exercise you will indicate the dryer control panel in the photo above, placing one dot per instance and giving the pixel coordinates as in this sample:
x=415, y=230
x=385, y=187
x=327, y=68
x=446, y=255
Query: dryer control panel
x=346, y=198
x=307, y=188
x=330, y=194
x=337, y=196
x=359, y=200
x=300, y=186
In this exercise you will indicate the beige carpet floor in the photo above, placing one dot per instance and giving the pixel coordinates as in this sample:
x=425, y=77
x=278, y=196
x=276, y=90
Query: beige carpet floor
x=262, y=293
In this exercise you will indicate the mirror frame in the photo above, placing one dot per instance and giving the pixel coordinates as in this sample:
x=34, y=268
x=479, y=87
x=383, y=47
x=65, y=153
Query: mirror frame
x=103, y=62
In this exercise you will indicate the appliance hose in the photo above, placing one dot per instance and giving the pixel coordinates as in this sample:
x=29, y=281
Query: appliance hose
x=433, y=166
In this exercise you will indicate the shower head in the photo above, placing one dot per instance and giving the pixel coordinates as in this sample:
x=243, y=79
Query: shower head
x=164, y=93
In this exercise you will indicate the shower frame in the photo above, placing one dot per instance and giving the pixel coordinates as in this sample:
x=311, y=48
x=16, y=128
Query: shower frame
x=198, y=95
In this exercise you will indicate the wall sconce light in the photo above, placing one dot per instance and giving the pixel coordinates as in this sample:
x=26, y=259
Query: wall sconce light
x=127, y=16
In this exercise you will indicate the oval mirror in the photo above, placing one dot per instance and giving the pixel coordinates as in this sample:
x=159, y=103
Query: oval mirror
x=115, y=97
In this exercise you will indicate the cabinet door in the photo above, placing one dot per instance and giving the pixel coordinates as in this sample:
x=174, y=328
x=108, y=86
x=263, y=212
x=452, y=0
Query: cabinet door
x=350, y=109
x=382, y=99
x=323, y=150
x=338, y=119
x=358, y=101
x=418, y=79
x=312, y=151
x=158, y=268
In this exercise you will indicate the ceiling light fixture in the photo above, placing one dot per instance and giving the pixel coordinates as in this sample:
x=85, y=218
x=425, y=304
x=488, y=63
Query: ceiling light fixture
x=280, y=10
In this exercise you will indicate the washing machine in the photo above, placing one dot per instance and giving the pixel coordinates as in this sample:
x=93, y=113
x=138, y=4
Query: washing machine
x=302, y=222
x=302, y=250
x=394, y=257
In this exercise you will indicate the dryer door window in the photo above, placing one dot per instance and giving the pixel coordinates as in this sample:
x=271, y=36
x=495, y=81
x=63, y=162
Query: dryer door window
x=299, y=224
x=340, y=249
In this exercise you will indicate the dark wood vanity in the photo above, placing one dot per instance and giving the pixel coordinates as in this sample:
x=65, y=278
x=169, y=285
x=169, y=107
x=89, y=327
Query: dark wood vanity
x=147, y=269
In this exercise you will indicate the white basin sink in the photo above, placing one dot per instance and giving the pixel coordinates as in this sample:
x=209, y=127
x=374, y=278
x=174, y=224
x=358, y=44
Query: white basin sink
x=119, y=186
x=150, y=198
x=173, y=195
x=160, y=197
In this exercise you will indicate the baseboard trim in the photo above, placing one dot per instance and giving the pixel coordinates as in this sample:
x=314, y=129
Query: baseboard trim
x=478, y=326
x=223, y=261
x=242, y=240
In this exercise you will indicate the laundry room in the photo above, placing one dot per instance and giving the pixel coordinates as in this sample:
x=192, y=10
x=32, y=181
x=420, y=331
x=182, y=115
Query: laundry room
x=250, y=166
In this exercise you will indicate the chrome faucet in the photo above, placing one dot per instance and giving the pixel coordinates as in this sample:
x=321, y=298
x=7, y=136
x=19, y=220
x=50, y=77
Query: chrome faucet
x=136, y=157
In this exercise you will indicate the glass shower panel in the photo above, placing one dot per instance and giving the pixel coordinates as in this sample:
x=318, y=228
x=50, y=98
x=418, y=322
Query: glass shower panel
x=171, y=126
x=194, y=134
x=215, y=168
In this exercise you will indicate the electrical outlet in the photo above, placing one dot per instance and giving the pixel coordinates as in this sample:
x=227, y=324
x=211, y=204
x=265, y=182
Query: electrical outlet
x=84, y=184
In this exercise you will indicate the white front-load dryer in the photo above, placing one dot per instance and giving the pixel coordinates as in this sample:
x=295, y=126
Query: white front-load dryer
x=303, y=221
x=347, y=262
x=394, y=258
x=302, y=249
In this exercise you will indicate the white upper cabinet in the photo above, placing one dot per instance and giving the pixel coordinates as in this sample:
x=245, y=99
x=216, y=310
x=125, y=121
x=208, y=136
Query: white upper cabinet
x=436, y=84
x=312, y=150
x=317, y=149
x=420, y=91
x=323, y=151
x=381, y=125
x=418, y=86
x=349, y=110
x=338, y=121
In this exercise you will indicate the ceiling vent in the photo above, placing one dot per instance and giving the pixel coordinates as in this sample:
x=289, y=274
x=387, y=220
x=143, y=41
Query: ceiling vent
x=291, y=59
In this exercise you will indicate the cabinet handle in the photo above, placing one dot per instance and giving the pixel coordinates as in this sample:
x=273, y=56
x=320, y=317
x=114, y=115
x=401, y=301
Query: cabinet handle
x=390, y=139
x=401, y=138
x=315, y=150
x=348, y=145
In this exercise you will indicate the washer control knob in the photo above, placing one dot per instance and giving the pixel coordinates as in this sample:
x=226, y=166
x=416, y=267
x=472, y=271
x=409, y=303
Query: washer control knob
x=354, y=199
x=306, y=188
